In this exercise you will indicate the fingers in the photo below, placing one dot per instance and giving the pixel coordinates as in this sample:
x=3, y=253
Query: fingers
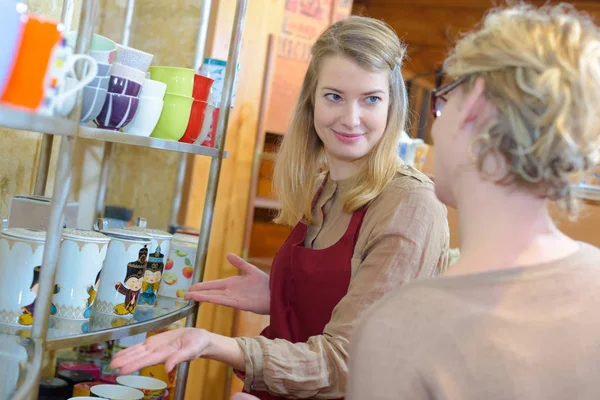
x=215, y=298
x=140, y=361
x=240, y=263
x=210, y=285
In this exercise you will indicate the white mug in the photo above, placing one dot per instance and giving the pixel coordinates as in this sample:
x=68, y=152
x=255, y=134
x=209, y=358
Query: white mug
x=21, y=252
x=179, y=268
x=13, y=364
x=81, y=256
x=122, y=272
x=159, y=249
x=59, y=89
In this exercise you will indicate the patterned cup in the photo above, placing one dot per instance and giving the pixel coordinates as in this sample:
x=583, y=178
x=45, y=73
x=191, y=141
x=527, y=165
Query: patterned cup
x=82, y=254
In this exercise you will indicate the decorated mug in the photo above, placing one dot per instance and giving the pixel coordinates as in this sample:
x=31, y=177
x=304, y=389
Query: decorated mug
x=21, y=252
x=179, y=267
x=81, y=256
x=159, y=249
x=122, y=272
x=61, y=84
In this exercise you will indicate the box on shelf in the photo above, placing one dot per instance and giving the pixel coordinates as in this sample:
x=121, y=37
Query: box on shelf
x=33, y=212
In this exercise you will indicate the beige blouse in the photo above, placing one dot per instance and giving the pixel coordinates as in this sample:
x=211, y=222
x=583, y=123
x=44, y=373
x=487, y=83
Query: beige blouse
x=523, y=333
x=404, y=236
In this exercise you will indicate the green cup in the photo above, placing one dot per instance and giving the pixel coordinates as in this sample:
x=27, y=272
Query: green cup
x=174, y=117
x=178, y=80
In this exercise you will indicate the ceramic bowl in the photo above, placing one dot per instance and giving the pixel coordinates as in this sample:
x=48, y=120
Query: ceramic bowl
x=93, y=101
x=174, y=118
x=146, y=118
x=133, y=58
x=153, y=89
x=116, y=84
x=126, y=72
x=100, y=82
x=102, y=48
x=179, y=81
x=118, y=111
x=195, y=122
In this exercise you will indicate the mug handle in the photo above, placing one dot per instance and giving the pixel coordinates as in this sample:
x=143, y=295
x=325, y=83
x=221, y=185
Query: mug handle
x=90, y=75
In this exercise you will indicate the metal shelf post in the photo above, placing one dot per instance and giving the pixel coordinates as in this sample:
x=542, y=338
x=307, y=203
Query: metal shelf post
x=214, y=172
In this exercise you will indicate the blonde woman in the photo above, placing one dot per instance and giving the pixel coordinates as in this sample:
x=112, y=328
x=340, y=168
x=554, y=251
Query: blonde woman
x=365, y=226
x=517, y=317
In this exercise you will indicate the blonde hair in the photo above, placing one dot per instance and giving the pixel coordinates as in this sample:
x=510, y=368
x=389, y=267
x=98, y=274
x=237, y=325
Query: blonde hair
x=374, y=46
x=541, y=68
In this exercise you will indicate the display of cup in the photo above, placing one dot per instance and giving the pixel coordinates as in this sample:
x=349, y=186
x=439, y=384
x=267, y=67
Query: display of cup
x=146, y=117
x=174, y=117
x=116, y=392
x=179, y=81
x=179, y=269
x=215, y=69
x=208, y=132
x=159, y=250
x=26, y=84
x=119, y=85
x=154, y=89
x=64, y=101
x=80, y=260
x=102, y=49
x=93, y=101
x=99, y=82
x=153, y=389
x=12, y=33
x=133, y=58
x=104, y=69
x=126, y=72
x=118, y=111
x=122, y=272
x=195, y=122
x=61, y=83
x=21, y=252
x=202, y=85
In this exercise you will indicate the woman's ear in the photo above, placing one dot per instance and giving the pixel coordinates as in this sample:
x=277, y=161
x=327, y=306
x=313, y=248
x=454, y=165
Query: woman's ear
x=474, y=104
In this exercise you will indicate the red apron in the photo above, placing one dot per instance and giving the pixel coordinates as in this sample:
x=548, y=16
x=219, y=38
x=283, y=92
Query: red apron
x=307, y=284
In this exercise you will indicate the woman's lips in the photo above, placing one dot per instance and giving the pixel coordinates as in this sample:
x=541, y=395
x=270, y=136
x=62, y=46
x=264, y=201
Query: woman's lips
x=348, y=137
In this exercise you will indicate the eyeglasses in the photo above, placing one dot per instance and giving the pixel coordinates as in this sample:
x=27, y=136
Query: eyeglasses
x=437, y=95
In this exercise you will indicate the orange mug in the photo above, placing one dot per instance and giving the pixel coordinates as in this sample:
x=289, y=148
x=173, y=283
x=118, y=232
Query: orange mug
x=26, y=84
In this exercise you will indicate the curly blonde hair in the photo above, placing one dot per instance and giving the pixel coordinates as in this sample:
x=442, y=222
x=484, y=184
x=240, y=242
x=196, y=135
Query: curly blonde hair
x=541, y=68
x=374, y=46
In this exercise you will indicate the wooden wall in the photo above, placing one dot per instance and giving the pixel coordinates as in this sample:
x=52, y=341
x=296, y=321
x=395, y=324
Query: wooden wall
x=430, y=27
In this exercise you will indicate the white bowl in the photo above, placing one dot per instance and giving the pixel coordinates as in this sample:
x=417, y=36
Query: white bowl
x=126, y=72
x=146, y=117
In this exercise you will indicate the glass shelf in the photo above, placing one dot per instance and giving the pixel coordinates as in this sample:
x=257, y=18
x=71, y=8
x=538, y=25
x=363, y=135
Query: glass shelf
x=65, y=333
x=26, y=120
x=141, y=141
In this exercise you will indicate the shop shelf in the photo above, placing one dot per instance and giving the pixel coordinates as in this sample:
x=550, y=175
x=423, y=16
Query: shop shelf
x=26, y=120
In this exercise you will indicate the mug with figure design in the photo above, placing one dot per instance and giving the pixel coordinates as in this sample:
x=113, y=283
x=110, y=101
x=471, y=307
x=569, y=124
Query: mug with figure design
x=122, y=278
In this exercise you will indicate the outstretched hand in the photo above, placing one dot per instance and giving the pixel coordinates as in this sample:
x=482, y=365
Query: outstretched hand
x=249, y=291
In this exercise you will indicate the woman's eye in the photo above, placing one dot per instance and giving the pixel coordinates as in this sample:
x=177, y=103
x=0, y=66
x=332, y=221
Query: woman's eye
x=333, y=97
x=373, y=99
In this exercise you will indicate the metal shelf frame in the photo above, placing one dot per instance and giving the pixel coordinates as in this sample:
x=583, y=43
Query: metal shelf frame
x=42, y=338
